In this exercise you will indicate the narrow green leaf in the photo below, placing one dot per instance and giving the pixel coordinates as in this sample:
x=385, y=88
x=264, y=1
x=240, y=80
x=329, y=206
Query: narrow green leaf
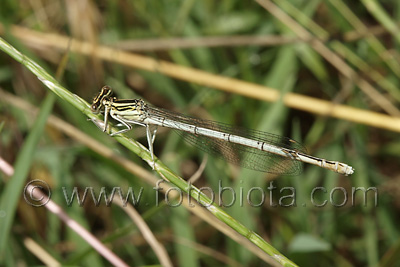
x=13, y=189
x=142, y=152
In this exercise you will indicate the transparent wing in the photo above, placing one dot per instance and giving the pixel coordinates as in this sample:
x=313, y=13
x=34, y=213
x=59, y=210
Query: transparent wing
x=238, y=154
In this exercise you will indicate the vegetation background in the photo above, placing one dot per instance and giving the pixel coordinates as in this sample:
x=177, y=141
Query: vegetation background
x=345, y=53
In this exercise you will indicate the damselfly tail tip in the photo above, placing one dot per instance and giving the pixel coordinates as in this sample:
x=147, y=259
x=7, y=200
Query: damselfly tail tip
x=349, y=171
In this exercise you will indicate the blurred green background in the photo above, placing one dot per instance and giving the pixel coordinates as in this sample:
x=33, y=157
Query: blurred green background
x=357, y=233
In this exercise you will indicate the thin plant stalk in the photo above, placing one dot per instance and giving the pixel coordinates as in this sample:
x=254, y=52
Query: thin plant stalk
x=142, y=152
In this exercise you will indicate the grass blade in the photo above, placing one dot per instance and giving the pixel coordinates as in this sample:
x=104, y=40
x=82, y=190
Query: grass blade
x=142, y=152
x=13, y=189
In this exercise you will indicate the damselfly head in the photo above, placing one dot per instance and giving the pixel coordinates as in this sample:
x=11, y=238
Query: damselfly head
x=105, y=93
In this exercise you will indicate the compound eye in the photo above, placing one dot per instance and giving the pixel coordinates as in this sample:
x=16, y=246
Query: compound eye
x=106, y=90
x=94, y=108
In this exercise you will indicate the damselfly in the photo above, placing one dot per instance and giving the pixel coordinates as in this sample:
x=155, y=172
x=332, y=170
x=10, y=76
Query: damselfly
x=251, y=149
